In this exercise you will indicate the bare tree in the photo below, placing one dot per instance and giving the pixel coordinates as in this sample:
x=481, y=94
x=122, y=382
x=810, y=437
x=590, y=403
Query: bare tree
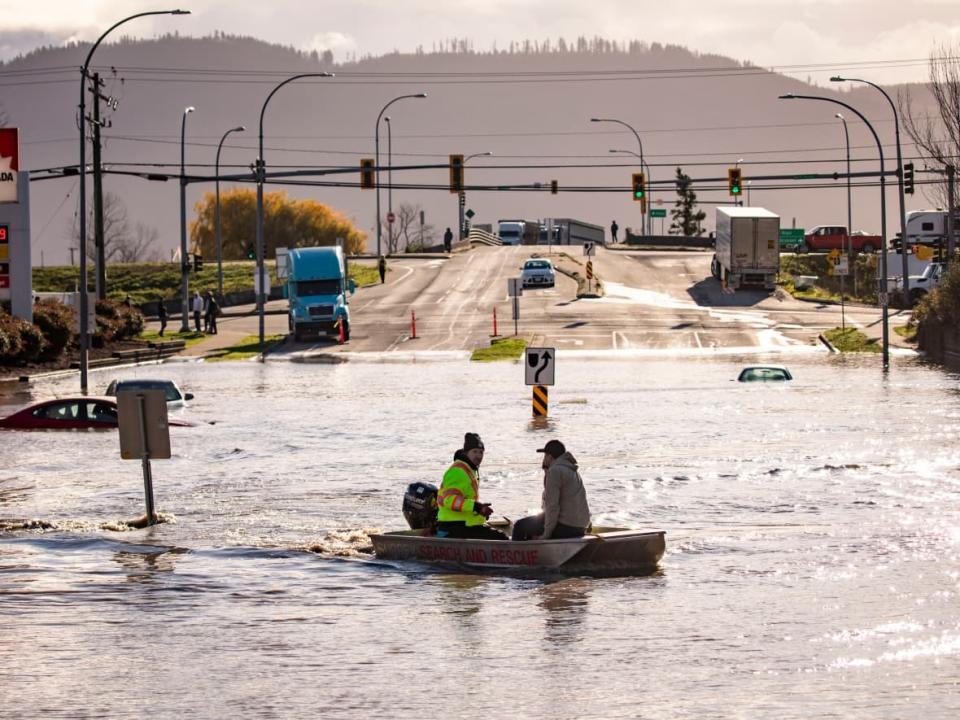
x=937, y=138
x=408, y=226
x=116, y=228
x=141, y=246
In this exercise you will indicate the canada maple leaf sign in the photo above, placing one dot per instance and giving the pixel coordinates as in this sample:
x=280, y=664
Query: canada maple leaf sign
x=9, y=163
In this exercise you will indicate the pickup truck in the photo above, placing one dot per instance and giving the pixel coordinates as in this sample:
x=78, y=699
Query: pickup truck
x=834, y=237
x=921, y=284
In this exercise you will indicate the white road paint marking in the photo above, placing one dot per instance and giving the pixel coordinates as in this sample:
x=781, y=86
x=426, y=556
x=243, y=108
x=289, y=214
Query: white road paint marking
x=696, y=336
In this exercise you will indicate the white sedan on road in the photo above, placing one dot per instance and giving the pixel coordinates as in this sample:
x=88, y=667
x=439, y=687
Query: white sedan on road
x=538, y=272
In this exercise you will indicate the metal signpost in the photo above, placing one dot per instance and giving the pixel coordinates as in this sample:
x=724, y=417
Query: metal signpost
x=515, y=290
x=144, y=435
x=539, y=370
x=659, y=213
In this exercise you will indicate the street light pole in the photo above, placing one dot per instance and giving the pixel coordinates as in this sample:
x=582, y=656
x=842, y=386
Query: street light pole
x=846, y=136
x=643, y=166
x=376, y=141
x=903, y=207
x=84, y=300
x=239, y=128
x=261, y=177
x=643, y=219
x=389, y=180
x=184, y=262
x=884, y=300
x=462, y=199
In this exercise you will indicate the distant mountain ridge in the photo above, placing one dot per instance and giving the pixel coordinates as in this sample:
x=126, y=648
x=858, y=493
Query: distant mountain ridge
x=529, y=105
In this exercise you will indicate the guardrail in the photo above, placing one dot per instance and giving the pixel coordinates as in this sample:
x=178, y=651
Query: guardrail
x=483, y=237
x=152, y=351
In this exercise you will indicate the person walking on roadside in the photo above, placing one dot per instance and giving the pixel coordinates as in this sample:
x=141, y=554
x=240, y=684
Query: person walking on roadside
x=212, y=309
x=197, y=310
x=382, y=269
x=564, y=500
x=613, y=230
x=460, y=514
x=448, y=240
x=162, y=316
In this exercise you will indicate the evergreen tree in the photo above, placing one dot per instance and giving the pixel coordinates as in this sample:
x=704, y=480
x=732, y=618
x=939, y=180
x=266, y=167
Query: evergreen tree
x=686, y=219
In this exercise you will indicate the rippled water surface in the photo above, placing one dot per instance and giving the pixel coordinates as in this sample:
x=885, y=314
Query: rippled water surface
x=812, y=569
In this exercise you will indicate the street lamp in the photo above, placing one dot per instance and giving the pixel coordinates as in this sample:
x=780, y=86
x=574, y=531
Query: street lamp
x=184, y=262
x=462, y=200
x=643, y=219
x=376, y=140
x=261, y=284
x=239, y=128
x=846, y=135
x=84, y=300
x=389, y=180
x=883, y=219
x=903, y=210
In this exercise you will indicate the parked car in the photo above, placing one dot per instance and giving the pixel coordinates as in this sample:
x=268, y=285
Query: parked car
x=538, y=271
x=174, y=395
x=764, y=373
x=69, y=413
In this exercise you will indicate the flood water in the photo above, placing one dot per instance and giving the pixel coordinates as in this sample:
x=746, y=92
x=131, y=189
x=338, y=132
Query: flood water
x=812, y=566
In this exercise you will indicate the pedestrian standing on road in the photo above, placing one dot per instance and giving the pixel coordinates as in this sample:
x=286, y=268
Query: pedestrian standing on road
x=460, y=514
x=212, y=309
x=197, y=310
x=162, y=316
x=613, y=230
x=448, y=240
x=382, y=269
x=564, y=500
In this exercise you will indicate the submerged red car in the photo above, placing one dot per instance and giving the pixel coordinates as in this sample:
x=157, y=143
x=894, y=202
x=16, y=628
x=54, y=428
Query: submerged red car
x=69, y=413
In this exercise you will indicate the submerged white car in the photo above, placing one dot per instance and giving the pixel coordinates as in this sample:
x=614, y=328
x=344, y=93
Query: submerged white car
x=175, y=397
x=538, y=272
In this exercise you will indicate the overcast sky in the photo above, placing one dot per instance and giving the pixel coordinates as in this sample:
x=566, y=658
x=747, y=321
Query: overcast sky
x=890, y=40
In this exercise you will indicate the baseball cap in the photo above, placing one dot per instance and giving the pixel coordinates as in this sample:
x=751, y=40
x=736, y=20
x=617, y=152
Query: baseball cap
x=554, y=448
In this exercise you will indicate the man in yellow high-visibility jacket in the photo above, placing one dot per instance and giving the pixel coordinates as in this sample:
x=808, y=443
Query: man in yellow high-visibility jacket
x=460, y=514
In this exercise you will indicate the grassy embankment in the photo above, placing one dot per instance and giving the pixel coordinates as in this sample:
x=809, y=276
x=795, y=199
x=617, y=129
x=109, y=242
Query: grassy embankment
x=144, y=282
x=509, y=348
x=851, y=340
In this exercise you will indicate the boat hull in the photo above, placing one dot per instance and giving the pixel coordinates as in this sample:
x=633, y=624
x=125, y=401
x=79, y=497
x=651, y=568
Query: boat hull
x=605, y=552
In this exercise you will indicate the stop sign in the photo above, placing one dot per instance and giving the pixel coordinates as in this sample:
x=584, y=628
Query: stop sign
x=391, y=217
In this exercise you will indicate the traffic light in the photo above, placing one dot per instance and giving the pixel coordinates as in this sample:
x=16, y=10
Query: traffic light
x=554, y=187
x=456, y=173
x=734, y=181
x=639, y=187
x=366, y=174
x=251, y=252
x=197, y=262
x=908, y=178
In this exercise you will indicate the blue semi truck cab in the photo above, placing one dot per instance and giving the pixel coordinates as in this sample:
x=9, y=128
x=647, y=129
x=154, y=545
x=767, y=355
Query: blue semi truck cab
x=317, y=287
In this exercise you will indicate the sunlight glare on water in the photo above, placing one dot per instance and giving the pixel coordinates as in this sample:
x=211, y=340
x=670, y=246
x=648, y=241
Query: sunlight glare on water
x=812, y=567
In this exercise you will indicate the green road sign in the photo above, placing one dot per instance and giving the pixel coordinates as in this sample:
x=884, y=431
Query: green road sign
x=791, y=238
x=469, y=213
x=658, y=212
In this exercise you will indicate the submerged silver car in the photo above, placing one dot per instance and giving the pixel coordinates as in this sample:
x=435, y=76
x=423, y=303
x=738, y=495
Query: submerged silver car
x=537, y=272
x=173, y=393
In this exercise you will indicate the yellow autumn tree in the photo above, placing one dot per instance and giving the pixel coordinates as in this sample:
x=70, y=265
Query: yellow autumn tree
x=286, y=223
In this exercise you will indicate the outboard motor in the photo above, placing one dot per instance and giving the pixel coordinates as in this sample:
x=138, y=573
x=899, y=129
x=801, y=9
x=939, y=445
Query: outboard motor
x=420, y=506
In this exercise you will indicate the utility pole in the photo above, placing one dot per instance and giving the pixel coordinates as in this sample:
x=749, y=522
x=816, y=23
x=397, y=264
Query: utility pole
x=101, y=281
x=951, y=173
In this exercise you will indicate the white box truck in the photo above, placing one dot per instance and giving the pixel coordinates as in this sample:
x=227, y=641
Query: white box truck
x=747, y=247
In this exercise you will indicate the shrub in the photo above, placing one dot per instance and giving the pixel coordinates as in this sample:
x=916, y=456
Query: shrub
x=118, y=321
x=56, y=322
x=20, y=341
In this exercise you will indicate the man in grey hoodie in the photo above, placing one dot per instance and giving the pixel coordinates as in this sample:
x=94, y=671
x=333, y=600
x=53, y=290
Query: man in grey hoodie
x=564, y=501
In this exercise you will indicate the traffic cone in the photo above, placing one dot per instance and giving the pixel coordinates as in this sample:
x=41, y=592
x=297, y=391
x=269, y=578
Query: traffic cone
x=340, y=330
